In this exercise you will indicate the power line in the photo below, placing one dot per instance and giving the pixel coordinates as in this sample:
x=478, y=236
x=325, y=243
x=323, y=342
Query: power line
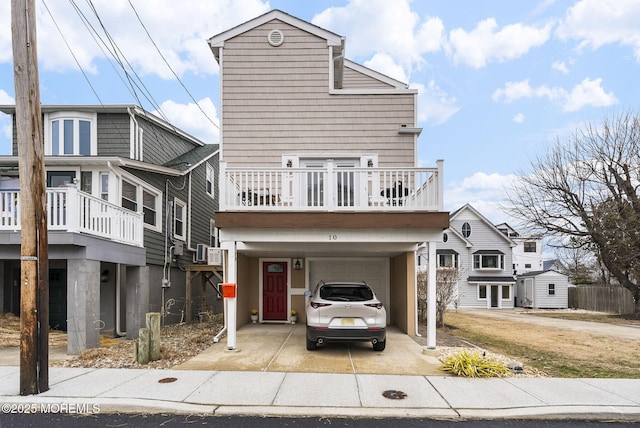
x=72, y=54
x=169, y=66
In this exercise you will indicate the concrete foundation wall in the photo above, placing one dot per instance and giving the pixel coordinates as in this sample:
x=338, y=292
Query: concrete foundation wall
x=83, y=307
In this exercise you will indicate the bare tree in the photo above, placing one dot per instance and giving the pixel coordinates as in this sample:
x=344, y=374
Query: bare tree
x=586, y=189
x=446, y=287
x=578, y=263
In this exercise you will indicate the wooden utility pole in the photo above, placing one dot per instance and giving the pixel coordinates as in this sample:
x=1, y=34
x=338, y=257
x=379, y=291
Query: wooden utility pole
x=34, y=278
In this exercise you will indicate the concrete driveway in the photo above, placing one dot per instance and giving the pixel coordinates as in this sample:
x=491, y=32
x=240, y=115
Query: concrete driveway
x=282, y=348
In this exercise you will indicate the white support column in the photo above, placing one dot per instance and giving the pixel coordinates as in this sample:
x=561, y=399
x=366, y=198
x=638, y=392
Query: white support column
x=431, y=297
x=232, y=304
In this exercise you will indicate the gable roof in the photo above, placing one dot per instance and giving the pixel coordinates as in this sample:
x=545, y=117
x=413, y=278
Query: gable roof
x=130, y=109
x=216, y=42
x=490, y=225
x=193, y=158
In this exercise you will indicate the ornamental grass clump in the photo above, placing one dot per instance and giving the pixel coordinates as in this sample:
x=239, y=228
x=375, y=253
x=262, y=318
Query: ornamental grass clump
x=473, y=364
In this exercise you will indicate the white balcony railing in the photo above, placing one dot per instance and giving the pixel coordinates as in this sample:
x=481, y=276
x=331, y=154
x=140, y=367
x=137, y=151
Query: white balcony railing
x=71, y=210
x=332, y=189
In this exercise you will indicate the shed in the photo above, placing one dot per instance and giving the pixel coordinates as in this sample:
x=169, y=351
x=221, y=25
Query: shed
x=542, y=290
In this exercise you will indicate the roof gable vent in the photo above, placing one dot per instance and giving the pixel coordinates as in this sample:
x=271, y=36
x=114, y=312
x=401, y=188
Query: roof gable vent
x=275, y=37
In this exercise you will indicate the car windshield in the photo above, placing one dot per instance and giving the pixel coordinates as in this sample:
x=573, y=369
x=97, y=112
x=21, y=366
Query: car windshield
x=356, y=293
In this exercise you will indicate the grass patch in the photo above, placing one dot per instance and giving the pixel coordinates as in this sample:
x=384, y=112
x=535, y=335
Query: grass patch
x=545, y=360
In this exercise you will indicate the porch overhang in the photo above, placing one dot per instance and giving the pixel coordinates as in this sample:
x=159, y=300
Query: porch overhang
x=335, y=220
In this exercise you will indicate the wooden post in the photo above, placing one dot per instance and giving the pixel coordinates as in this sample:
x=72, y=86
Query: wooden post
x=34, y=294
x=144, y=339
x=153, y=324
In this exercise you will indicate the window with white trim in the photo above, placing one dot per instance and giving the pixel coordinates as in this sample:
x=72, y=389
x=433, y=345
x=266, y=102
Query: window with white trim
x=104, y=186
x=551, y=289
x=466, y=230
x=139, y=197
x=210, y=179
x=529, y=246
x=447, y=260
x=214, y=234
x=488, y=261
x=506, y=292
x=179, y=220
x=70, y=133
x=482, y=292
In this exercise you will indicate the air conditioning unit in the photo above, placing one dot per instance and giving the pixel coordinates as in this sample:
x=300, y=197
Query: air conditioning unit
x=201, y=253
x=214, y=256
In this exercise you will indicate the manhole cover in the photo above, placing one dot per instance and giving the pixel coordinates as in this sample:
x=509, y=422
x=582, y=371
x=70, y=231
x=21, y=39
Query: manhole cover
x=168, y=380
x=394, y=395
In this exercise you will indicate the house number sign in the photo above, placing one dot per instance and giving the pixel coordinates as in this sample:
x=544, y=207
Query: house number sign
x=333, y=237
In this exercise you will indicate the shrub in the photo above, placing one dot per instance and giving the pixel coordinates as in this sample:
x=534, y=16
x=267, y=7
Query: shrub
x=473, y=364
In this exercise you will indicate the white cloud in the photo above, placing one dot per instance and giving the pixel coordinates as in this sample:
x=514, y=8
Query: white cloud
x=6, y=50
x=6, y=131
x=5, y=98
x=589, y=93
x=183, y=46
x=599, y=22
x=518, y=118
x=560, y=66
x=384, y=27
x=485, y=192
x=434, y=104
x=586, y=93
x=383, y=63
x=190, y=118
x=487, y=43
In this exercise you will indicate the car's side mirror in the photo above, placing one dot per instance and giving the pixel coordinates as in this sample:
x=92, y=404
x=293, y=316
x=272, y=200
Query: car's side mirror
x=308, y=293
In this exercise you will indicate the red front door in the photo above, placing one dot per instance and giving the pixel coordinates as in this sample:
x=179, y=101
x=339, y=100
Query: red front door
x=274, y=291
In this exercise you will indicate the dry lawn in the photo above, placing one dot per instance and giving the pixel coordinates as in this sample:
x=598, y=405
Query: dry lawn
x=10, y=333
x=555, y=352
x=178, y=343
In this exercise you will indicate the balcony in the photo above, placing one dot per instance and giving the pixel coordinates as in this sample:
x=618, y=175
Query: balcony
x=332, y=189
x=71, y=210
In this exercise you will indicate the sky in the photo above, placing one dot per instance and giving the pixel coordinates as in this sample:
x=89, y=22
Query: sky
x=499, y=81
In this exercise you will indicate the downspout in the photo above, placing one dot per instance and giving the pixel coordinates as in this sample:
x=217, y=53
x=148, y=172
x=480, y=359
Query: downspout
x=417, y=257
x=224, y=327
x=118, y=276
x=134, y=137
x=189, y=248
x=118, y=285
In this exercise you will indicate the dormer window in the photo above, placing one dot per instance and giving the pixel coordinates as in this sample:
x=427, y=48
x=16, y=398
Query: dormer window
x=70, y=133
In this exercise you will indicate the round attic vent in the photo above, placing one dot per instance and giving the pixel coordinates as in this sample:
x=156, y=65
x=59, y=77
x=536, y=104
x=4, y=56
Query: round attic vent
x=275, y=37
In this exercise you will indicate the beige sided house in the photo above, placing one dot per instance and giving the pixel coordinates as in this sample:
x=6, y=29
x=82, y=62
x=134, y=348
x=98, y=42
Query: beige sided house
x=318, y=176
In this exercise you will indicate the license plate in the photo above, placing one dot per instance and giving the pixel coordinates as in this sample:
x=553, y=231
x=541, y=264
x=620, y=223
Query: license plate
x=347, y=321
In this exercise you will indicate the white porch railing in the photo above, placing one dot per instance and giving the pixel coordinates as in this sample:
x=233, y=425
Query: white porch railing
x=332, y=189
x=71, y=210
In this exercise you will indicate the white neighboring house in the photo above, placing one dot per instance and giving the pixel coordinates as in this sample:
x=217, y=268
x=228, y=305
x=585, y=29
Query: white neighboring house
x=484, y=256
x=527, y=254
x=543, y=290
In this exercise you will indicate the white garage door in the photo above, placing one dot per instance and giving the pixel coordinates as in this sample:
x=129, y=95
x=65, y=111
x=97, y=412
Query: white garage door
x=375, y=272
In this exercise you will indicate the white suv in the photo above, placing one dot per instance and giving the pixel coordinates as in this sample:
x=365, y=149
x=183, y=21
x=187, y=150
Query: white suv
x=345, y=311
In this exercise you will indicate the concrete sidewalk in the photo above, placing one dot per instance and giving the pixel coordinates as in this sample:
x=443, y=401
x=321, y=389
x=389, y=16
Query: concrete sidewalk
x=325, y=394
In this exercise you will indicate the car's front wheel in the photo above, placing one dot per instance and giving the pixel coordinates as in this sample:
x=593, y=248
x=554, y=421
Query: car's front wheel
x=380, y=345
x=311, y=345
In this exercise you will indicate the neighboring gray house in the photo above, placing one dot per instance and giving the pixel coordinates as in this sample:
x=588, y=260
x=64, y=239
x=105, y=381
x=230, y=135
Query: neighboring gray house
x=130, y=197
x=483, y=255
x=319, y=175
x=543, y=290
